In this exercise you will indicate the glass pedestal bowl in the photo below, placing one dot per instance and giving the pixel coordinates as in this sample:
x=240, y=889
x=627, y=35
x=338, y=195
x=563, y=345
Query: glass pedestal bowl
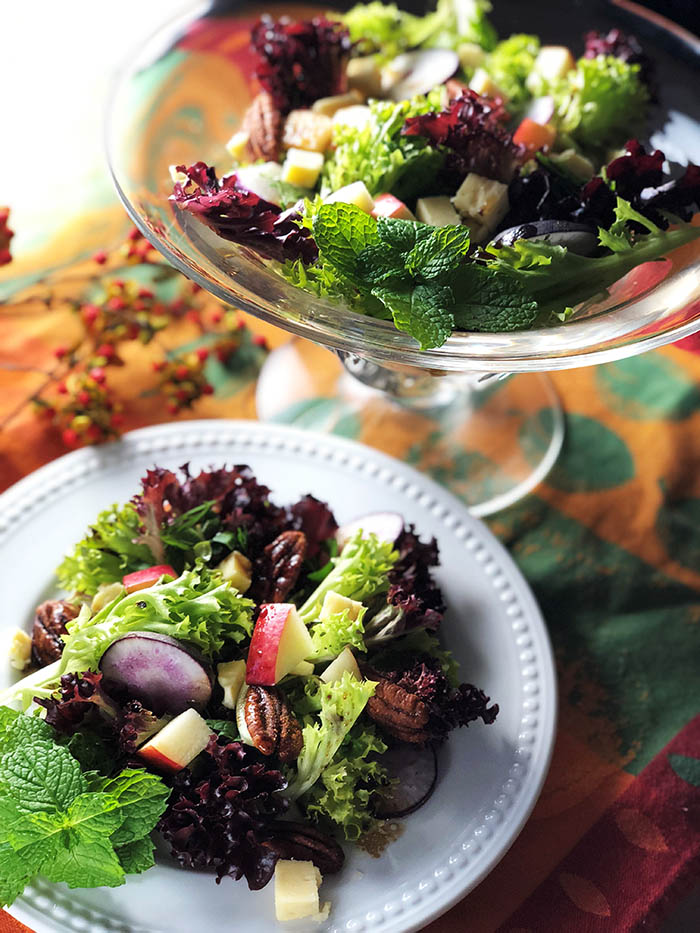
x=456, y=411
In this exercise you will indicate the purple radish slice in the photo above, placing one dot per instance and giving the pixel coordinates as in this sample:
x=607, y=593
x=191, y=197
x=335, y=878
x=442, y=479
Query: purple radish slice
x=540, y=110
x=387, y=526
x=157, y=670
x=415, y=769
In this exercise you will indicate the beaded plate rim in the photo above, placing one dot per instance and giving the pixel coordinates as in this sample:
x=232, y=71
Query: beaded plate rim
x=52, y=909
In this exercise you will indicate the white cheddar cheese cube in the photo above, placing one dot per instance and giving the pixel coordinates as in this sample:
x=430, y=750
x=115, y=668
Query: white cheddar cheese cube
x=230, y=676
x=330, y=105
x=237, y=570
x=302, y=168
x=19, y=649
x=334, y=602
x=296, y=890
x=357, y=116
x=436, y=211
x=483, y=84
x=356, y=194
x=237, y=146
x=482, y=201
x=364, y=76
x=470, y=55
x=553, y=62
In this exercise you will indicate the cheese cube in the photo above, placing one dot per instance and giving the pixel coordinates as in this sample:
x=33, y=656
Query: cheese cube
x=436, y=211
x=357, y=116
x=553, y=62
x=304, y=129
x=19, y=649
x=571, y=161
x=364, y=76
x=237, y=570
x=334, y=602
x=237, y=146
x=329, y=105
x=302, y=168
x=481, y=200
x=483, y=84
x=356, y=194
x=296, y=890
x=470, y=55
x=230, y=676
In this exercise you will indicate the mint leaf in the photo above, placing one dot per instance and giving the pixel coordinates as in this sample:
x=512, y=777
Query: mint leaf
x=16, y=872
x=486, y=300
x=137, y=856
x=138, y=798
x=423, y=311
x=437, y=251
x=41, y=775
x=17, y=730
x=341, y=232
x=398, y=234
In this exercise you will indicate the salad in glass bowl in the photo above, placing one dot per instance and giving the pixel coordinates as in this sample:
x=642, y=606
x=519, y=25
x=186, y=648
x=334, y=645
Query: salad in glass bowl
x=251, y=681
x=422, y=172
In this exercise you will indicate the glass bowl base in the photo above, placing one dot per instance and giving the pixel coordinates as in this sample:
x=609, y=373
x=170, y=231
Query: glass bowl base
x=490, y=440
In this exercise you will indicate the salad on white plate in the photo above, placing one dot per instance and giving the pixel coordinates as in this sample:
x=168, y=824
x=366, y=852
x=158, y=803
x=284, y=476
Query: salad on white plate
x=250, y=682
x=420, y=171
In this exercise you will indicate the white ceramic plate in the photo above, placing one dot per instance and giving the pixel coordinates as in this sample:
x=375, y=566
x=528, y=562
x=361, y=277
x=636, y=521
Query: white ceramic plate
x=490, y=776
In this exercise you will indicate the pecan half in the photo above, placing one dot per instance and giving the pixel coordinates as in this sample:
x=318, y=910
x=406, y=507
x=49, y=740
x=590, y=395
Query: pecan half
x=263, y=123
x=279, y=569
x=49, y=624
x=305, y=843
x=398, y=712
x=272, y=725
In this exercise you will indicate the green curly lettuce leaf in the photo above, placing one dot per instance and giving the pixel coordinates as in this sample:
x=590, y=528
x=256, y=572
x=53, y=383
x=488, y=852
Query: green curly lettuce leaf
x=510, y=64
x=335, y=632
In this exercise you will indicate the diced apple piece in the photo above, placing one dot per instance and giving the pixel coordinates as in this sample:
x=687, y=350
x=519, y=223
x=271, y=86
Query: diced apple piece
x=178, y=743
x=296, y=891
x=357, y=116
x=19, y=649
x=261, y=179
x=237, y=146
x=243, y=731
x=386, y=205
x=142, y=579
x=329, y=105
x=471, y=55
x=481, y=201
x=483, y=84
x=436, y=211
x=231, y=677
x=238, y=570
x=280, y=641
x=305, y=129
x=334, y=602
x=303, y=669
x=106, y=593
x=302, y=168
x=344, y=662
x=553, y=62
x=363, y=75
x=355, y=193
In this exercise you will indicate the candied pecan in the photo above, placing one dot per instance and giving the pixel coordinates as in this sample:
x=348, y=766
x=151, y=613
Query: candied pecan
x=279, y=569
x=398, y=712
x=263, y=123
x=49, y=624
x=306, y=843
x=272, y=725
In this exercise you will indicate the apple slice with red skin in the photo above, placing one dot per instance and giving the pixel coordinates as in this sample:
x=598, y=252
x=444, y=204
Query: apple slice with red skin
x=280, y=642
x=142, y=579
x=178, y=743
x=386, y=205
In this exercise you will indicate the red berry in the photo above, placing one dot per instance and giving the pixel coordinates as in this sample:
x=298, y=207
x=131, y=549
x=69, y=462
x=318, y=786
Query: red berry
x=223, y=354
x=134, y=234
x=181, y=395
x=60, y=352
x=145, y=293
x=182, y=372
x=106, y=350
x=90, y=313
x=84, y=397
x=260, y=341
x=158, y=366
x=70, y=437
x=192, y=316
x=207, y=389
x=62, y=388
x=133, y=331
x=194, y=288
x=116, y=304
x=98, y=374
x=100, y=257
x=173, y=408
x=49, y=412
x=202, y=354
x=117, y=420
x=119, y=284
x=217, y=316
x=241, y=324
x=94, y=432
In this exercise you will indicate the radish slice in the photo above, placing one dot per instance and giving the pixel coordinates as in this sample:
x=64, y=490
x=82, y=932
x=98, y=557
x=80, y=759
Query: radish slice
x=540, y=110
x=415, y=767
x=157, y=670
x=387, y=526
